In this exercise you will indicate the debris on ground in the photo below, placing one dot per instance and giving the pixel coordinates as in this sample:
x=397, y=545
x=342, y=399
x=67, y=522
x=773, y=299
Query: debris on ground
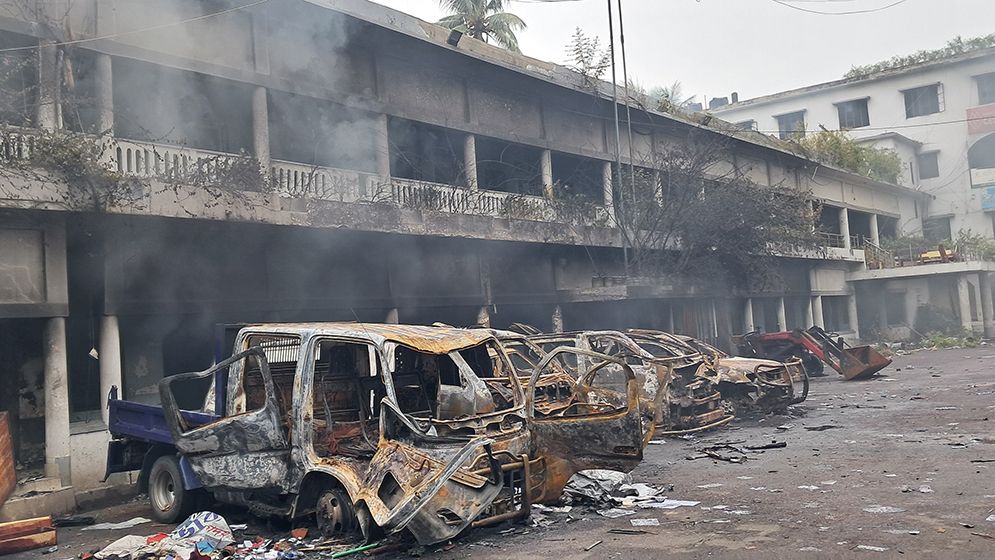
x=822, y=427
x=27, y=534
x=133, y=522
x=74, y=521
x=883, y=509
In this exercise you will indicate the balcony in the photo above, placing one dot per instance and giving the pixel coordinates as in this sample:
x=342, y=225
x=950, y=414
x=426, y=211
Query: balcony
x=295, y=181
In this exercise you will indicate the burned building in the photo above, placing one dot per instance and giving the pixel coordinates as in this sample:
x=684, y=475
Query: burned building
x=332, y=160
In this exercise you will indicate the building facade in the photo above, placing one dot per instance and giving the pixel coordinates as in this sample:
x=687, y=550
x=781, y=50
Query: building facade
x=407, y=175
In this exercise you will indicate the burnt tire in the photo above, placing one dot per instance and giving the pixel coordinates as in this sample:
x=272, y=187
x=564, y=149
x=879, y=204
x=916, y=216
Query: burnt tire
x=335, y=514
x=169, y=500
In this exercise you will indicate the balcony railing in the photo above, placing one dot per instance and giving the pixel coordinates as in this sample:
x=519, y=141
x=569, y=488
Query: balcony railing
x=294, y=180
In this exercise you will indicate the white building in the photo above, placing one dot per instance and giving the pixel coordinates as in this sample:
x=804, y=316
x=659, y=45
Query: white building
x=939, y=116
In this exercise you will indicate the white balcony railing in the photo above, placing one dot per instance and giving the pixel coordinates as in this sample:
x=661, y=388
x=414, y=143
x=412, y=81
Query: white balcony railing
x=202, y=167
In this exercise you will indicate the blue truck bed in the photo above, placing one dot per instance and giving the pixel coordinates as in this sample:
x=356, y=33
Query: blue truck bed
x=146, y=422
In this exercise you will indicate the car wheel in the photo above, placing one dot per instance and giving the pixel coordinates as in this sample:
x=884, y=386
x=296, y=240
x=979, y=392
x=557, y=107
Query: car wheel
x=170, y=502
x=335, y=513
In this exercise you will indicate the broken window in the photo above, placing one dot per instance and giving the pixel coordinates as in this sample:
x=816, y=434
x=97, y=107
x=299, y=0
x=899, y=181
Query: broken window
x=347, y=388
x=937, y=230
x=18, y=79
x=161, y=104
x=835, y=313
x=853, y=114
x=929, y=165
x=318, y=132
x=424, y=152
x=282, y=353
x=578, y=178
x=503, y=166
x=791, y=125
x=450, y=386
x=924, y=100
x=986, y=88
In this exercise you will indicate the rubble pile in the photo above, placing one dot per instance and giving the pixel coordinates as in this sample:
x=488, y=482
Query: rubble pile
x=207, y=535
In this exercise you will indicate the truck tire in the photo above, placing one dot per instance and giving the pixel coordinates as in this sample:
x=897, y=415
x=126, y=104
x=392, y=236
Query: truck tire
x=335, y=513
x=170, y=502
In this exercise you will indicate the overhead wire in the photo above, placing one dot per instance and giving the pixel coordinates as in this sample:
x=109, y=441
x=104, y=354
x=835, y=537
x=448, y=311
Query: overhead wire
x=788, y=4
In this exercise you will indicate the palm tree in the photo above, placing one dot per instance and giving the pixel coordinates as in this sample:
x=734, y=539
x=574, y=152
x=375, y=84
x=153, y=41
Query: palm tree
x=484, y=20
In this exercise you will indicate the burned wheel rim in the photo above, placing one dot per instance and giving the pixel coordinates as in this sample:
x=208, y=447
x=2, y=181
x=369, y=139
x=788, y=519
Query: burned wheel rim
x=162, y=490
x=335, y=514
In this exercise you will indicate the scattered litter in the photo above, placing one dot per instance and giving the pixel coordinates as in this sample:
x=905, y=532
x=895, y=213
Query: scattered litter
x=785, y=427
x=990, y=518
x=808, y=487
x=669, y=504
x=809, y=549
x=73, y=521
x=649, y=522
x=133, y=522
x=871, y=548
x=966, y=525
x=744, y=477
x=710, y=485
x=590, y=546
x=615, y=513
x=828, y=482
x=945, y=408
x=925, y=489
x=883, y=509
x=771, y=445
x=202, y=533
x=617, y=531
x=822, y=428
x=983, y=535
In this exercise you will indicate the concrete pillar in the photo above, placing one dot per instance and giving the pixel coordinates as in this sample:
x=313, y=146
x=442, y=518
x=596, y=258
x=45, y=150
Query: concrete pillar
x=987, y=312
x=883, y=313
x=817, y=318
x=670, y=317
x=875, y=236
x=260, y=128
x=110, y=361
x=484, y=316
x=57, y=451
x=546, y=172
x=557, y=318
x=392, y=316
x=964, y=301
x=782, y=319
x=470, y=160
x=46, y=111
x=851, y=311
x=748, y=325
x=382, y=147
x=845, y=227
x=105, y=95
x=608, y=190
x=809, y=317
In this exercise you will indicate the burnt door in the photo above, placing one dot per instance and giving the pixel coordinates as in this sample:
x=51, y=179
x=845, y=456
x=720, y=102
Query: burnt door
x=601, y=428
x=247, y=449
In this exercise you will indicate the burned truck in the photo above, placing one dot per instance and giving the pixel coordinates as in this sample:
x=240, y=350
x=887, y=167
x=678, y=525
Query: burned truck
x=678, y=390
x=369, y=427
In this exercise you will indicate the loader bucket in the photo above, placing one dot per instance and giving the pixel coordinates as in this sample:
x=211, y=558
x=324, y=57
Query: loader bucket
x=863, y=362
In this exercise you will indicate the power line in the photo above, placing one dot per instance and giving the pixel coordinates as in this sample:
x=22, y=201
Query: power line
x=788, y=4
x=142, y=30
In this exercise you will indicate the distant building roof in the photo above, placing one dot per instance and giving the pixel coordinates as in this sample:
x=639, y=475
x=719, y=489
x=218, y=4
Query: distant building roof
x=883, y=75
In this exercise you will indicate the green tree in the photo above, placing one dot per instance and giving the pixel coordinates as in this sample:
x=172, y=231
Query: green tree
x=836, y=147
x=484, y=20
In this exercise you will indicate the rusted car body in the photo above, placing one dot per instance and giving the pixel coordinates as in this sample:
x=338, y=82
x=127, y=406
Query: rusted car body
x=748, y=384
x=678, y=390
x=390, y=427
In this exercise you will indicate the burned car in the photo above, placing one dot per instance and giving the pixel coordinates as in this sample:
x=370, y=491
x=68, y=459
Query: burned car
x=380, y=428
x=678, y=390
x=748, y=384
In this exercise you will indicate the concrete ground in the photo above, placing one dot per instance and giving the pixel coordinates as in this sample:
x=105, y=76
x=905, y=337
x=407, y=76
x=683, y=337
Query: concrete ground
x=917, y=441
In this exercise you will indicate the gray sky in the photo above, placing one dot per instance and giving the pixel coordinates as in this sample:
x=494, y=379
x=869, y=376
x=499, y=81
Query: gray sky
x=755, y=47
